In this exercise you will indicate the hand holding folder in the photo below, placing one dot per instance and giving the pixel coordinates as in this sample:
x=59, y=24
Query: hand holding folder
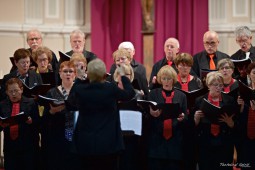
x=214, y=113
x=169, y=110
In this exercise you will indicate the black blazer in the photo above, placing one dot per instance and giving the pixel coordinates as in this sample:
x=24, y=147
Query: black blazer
x=28, y=137
x=155, y=69
x=239, y=55
x=201, y=61
x=54, y=62
x=158, y=146
x=33, y=79
x=227, y=134
x=98, y=129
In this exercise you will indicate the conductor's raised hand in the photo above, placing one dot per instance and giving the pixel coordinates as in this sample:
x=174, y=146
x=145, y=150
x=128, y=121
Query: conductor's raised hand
x=120, y=70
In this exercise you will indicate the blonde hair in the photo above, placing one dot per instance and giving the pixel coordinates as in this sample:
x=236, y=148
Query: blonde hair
x=96, y=70
x=214, y=76
x=121, y=52
x=128, y=71
x=167, y=71
x=78, y=57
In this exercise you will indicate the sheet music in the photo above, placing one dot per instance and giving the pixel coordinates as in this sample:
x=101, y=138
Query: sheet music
x=131, y=120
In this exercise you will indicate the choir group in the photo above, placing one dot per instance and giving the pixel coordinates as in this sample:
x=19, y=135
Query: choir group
x=204, y=116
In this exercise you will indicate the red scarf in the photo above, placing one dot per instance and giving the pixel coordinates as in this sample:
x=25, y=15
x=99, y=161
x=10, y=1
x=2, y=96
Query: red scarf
x=14, y=129
x=169, y=63
x=168, y=129
x=215, y=129
x=251, y=124
x=227, y=88
x=184, y=85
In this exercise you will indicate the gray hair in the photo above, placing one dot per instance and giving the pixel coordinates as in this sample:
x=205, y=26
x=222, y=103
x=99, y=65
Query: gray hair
x=77, y=31
x=96, y=70
x=243, y=31
x=34, y=30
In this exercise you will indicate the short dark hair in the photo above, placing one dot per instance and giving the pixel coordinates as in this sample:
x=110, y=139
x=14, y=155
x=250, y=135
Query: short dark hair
x=13, y=81
x=185, y=58
x=21, y=53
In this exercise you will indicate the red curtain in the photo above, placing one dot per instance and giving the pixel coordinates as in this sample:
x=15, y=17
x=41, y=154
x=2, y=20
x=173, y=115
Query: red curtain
x=114, y=21
x=186, y=20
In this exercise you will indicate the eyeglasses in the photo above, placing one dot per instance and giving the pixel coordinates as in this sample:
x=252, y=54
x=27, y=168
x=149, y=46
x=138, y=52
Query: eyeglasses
x=183, y=66
x=123, y=58
x=226, y=68
x=166, y=79
x=67, y=71
x=212, y=44
x=35, y=38
x=13, y=91
x=218, y=85
x=243, y=40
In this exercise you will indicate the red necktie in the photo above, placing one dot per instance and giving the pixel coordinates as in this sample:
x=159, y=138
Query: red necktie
x=167, y=128
x=14, y=129
x=215, y=129
x=251, y=124
x=169, y=63
x=185, y=86
x=212, y=64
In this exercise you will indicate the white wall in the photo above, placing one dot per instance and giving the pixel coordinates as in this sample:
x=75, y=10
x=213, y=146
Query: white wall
x=54, y=18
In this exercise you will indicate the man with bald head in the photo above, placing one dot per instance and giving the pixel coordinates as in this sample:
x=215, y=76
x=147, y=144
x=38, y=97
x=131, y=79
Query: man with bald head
x=171, y=49
x=208, y=58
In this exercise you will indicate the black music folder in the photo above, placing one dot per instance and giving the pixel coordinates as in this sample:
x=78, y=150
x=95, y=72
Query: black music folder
x=192, y=95
x=136, y=85
x=203, y=74
x=46, y=101
x=128, y=105
x=242, y=63
x=49, y=78
x=64, y=57
x=169, y=110
x=246, y=92
x=233, y=93
x=13, y=120
x=213, y=113
x=12, y=61
x=36, y=90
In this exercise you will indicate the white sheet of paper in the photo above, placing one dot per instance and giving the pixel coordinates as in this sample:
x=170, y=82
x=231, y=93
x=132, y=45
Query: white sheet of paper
x=131, y=120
